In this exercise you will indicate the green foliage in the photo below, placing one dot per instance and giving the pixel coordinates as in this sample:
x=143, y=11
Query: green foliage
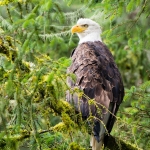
x=135, y=116
x=54, y=141
x=29, y=94
x=35, y=40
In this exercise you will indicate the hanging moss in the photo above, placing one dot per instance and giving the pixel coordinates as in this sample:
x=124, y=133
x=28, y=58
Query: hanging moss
x=59, y=127
x=7, y=47
x=75, y=146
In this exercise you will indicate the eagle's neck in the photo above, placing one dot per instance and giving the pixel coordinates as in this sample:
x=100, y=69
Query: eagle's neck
x=92, y=37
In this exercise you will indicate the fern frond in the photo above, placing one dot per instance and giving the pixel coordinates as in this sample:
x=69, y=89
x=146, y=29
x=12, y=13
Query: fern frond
x=74, y=16
x=5, y=23
x=145, y=85
x=98, y=14
x=52, y=35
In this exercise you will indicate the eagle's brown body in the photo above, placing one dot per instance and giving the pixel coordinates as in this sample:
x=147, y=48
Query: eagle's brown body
x=98, y=77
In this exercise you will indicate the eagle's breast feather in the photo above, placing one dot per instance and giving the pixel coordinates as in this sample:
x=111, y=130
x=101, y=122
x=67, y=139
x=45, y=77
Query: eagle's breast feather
x=97, y=76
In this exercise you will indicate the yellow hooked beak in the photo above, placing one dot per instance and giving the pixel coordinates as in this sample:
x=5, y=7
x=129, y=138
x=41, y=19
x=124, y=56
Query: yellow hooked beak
x=78, y=29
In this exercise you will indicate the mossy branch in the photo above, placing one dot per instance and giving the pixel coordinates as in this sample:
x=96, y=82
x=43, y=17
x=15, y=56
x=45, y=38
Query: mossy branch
x=115, y=143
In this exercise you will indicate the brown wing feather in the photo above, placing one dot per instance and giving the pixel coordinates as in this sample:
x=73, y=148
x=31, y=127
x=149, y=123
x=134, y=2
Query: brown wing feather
x=99, y=78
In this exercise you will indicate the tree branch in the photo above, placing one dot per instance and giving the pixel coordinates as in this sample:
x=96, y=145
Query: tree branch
x=114, y=143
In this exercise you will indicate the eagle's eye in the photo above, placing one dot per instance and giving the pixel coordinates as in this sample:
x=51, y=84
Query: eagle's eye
x=85, y=25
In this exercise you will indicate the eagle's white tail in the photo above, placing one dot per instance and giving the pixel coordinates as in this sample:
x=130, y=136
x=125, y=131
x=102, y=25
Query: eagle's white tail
x=96, y=145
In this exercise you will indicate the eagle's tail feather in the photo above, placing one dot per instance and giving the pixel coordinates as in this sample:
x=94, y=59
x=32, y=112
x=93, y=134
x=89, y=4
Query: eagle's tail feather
x=96, y=145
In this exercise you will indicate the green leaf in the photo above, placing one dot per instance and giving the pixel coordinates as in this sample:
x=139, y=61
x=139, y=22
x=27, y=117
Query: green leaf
x=28, y=23
x=51, y=77
x=120, y=8
x=30, y=16
x=134, y=130
x=25, y=44
x=142, y=106
x=131, y=110
x=145, y=85
x=19, y=21
x=69, y=2
x=48, y=5
x=112, y=17
x=67, y=62
x=148, y=33
x=130, y=43
x=35, y=9
x=10, y=89
x=130, y=5
x=127, y=96
x=107, y=33
x=138, y=2
x=40, y=20
x=133, y=89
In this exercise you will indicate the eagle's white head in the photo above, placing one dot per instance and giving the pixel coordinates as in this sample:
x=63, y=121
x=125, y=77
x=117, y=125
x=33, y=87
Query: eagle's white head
x=87, y=30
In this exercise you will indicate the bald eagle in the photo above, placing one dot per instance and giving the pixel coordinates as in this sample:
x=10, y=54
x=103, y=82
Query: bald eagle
x=98, y=77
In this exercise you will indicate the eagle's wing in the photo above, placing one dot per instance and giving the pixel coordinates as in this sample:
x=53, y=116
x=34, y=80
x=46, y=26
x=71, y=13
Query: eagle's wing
x=98, y=77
